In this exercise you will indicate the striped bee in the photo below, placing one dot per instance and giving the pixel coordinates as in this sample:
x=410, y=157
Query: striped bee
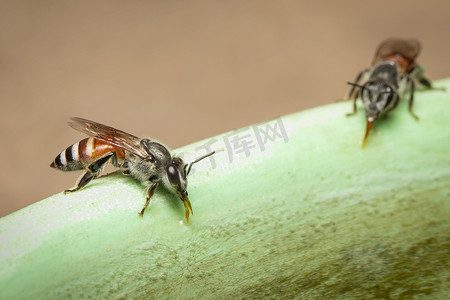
x=393, y=72
x=146, y=160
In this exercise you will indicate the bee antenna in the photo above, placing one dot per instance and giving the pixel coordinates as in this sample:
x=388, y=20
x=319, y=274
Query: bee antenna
x=355, y=84
x=196, y=161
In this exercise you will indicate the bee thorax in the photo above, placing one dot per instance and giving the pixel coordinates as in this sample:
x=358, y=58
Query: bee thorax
x=143, y=170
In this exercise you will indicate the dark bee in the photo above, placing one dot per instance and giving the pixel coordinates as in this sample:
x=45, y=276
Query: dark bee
x=393, y=73
x=146, y=160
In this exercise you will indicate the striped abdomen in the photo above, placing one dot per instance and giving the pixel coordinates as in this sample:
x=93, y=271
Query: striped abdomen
x=82, y=154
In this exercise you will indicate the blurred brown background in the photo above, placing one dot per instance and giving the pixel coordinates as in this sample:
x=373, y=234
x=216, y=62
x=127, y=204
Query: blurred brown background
x=180, y=71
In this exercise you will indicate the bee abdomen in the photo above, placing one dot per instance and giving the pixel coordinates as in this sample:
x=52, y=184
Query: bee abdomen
x=82, y=154
x=73, y=157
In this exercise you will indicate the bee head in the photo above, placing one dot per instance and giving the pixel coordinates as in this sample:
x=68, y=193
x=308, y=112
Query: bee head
x=176, y=177
x=176, y=180
x=177, y=172
x=376, y=96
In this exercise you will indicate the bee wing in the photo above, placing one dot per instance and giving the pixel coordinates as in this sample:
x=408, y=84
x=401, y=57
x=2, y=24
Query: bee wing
x=408, y=48
x=110, y=135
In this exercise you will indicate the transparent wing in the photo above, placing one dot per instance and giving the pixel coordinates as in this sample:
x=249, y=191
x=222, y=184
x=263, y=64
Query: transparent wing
x=407, y=48
x=110, y=135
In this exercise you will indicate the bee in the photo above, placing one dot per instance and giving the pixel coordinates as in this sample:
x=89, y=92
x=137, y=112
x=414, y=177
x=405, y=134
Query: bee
x=146, y=160
x=393, y=73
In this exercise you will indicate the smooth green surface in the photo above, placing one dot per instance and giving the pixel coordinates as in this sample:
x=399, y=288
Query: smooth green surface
x=312, y=217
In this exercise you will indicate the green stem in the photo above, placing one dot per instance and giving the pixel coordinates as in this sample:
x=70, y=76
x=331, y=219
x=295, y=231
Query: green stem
x=306, y=215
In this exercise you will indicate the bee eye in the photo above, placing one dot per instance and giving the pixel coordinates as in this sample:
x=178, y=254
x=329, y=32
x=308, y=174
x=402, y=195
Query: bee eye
x=174, y=176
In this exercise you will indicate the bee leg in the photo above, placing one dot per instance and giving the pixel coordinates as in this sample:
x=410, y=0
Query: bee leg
x=357, y=79
x=354, y=93
x=150, y=193
x=427, y=84
x=92, y=172
x=125, y=168
x=87, y=177
x=423, y=80
x=411, y=99
x=419, y=75
x=354, y=108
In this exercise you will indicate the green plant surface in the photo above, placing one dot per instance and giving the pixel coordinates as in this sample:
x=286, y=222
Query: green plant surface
x=308, y=215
